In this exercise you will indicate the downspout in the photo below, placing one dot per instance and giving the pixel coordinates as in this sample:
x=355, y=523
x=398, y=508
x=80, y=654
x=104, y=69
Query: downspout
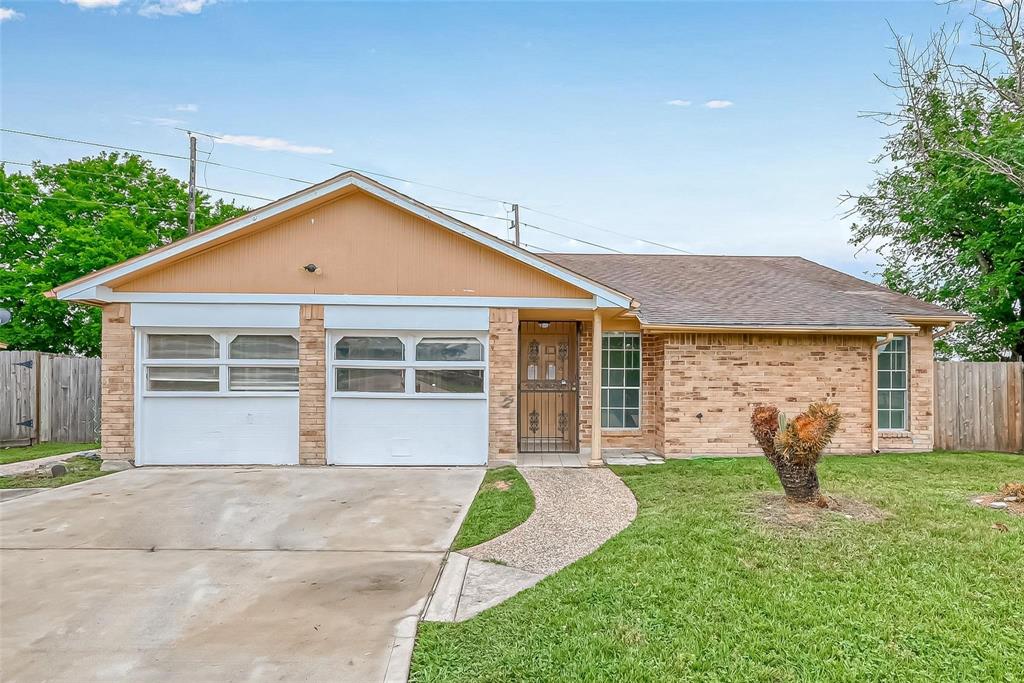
x=874, y=390
x=944, y=331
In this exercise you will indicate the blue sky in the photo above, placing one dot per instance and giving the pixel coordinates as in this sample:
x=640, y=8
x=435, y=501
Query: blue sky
x=575, y=109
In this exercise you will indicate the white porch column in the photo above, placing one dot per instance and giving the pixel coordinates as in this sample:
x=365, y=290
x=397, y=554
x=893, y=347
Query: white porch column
x=595, y=384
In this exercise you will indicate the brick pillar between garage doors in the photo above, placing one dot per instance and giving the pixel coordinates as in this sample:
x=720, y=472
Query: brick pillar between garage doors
x=312, y=386
x=117, y=389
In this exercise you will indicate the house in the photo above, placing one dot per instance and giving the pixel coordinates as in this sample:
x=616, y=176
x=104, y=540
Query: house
x=349, y=324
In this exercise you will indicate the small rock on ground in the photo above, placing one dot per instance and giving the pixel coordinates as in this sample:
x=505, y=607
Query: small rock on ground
x=576, y=511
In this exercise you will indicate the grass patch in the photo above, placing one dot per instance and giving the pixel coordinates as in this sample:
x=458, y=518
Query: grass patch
x=79, y=469
x=503, y=502
x=41, y=450
x=697, y=589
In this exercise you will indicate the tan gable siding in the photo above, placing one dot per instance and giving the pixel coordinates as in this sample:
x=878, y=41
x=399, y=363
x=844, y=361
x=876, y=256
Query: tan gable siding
x=363, y=246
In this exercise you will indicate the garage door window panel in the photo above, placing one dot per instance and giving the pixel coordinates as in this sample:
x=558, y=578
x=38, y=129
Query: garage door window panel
x=221, y=363
x=182, y=346
x=264, y=347
x=450, y=350
x=183, y=378
x=367, y=348
x=370, y=380
x=409, y=365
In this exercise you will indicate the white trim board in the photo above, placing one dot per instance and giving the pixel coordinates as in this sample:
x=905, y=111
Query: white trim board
x=80, y=289
x=406, y=318
x=216, y=315
x=105, y=294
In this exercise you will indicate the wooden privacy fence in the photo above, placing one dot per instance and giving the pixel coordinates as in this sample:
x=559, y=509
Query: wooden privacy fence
x=48, y=397
x=979, y=406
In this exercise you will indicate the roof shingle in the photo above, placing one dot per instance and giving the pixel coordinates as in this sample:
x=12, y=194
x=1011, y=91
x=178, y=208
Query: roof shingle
x=748, y=291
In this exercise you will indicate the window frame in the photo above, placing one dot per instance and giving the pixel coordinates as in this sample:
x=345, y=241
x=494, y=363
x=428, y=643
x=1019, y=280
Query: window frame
x=410, y=339
x=223, y=362
x=639, y=387
x=905, y=389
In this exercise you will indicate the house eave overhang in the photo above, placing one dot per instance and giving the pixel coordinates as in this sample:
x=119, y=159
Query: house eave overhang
x=932, y=320
x=84, y=289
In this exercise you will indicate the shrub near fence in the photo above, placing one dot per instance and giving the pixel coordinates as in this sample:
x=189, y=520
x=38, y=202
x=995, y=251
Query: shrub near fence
x=979, y=406
x=48, y=397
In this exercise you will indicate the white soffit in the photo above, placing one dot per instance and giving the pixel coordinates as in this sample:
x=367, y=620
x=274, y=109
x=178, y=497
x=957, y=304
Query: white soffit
x=216, y=315
x=405, y=318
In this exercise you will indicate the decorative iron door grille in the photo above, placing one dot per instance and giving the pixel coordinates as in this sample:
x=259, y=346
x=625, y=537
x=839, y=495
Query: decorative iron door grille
x=548, y=387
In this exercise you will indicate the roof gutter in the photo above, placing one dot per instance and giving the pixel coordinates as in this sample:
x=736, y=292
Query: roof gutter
x=778, y=329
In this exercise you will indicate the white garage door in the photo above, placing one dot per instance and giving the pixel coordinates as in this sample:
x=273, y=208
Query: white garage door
x=218, y=397
x=407, y=397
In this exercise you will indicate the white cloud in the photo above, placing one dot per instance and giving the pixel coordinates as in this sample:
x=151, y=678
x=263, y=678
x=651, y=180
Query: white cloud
x=718, y=104
x=190, y=108
x=7, y=14
x=93, y=4
x=173, y=8
x=271, y=144
x=170, y=123
x=679, y=103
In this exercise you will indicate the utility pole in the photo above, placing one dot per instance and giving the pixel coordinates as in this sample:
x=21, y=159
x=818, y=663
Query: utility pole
x=515, y=221
x=191, y=182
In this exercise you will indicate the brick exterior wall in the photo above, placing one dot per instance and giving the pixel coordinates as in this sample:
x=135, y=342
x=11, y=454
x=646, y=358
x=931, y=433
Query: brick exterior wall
x=117, y=388
x=503, y=377
x=921, y=399
x=723, y=376
x=651, y=384
x=312, y=386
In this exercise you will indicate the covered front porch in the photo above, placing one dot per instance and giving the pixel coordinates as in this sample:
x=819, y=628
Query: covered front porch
x=577, y=369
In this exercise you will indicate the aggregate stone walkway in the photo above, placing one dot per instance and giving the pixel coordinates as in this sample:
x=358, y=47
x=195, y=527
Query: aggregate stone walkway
x=576, y=511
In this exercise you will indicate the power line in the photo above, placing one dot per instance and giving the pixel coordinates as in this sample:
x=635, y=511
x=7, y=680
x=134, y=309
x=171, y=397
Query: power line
x=144, y=207
x=361, y=170
x=154, y=153
x=353, y=168
x=611, y=232
x=570, y=237
x=472, y=213
x=116, y=175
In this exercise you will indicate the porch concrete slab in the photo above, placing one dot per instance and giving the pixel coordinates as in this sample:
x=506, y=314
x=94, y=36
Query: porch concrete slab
x=258, y=508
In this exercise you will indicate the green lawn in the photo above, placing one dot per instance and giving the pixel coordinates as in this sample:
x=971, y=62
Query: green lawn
x=503, y=502
x=41, y=450
x=698, y=589
x=79, y=469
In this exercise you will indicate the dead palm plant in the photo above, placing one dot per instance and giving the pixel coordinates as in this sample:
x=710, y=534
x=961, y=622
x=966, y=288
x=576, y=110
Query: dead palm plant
x=794, y=447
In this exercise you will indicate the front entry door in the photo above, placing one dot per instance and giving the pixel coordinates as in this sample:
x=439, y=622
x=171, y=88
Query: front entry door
x=548, y=387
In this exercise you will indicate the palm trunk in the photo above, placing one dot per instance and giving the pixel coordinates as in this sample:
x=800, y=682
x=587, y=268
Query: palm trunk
x=799, y=481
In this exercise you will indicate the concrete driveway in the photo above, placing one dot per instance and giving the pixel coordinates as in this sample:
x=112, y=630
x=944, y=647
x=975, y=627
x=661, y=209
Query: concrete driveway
x=225, y=574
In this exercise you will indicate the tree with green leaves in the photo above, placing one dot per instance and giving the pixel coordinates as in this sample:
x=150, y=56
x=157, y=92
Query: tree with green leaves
x=61, y=221
x=946, y=210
